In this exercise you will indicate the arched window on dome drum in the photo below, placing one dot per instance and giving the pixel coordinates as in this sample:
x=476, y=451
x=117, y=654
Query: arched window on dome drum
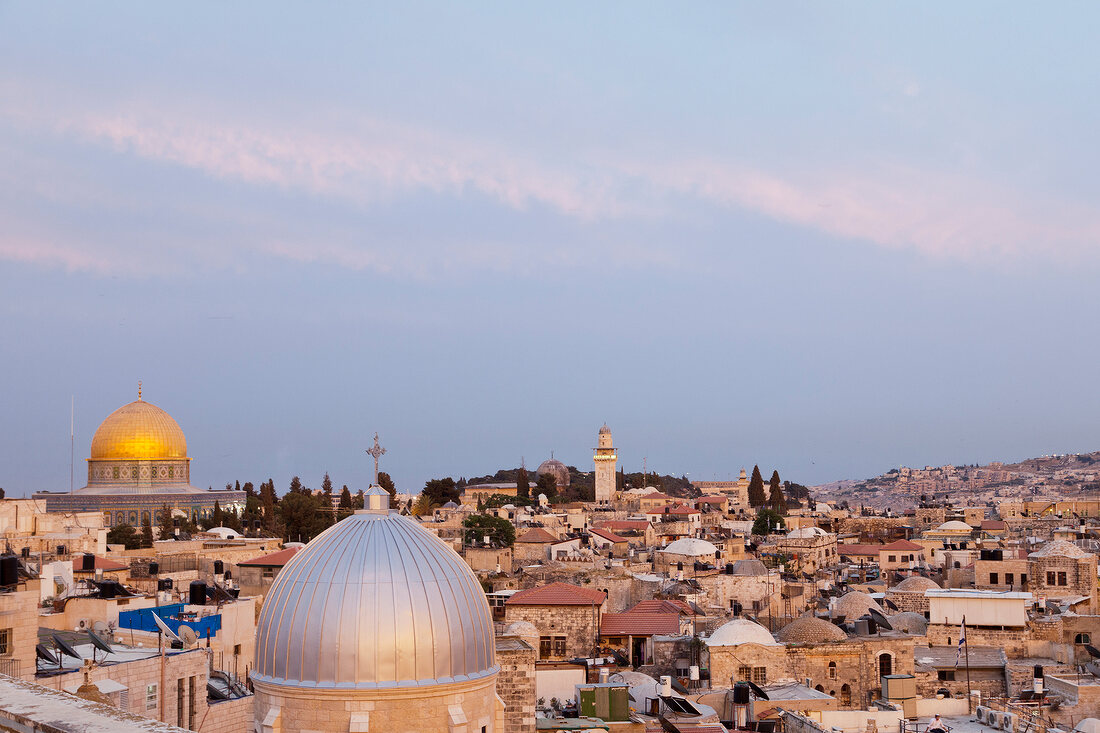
x=120, y=518
x=107, y=518
x=133, y=517
x=144, y=517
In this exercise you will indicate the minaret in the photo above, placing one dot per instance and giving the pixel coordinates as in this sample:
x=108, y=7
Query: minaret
x=605, y=466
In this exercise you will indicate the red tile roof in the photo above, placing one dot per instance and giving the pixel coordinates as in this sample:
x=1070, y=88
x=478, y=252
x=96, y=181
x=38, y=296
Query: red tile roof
x=851, y=550
x=274, y=560
x=662, y=606
x=992, y=524
x=536, y=534
x=101, y=563
x=639, y=624
x=656, y=495
x=678, y=509
x=557, y=594
x=712, y=499
x=902, y=545
x=608, y=535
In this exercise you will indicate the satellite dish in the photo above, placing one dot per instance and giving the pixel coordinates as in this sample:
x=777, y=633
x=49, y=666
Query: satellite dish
x=99, y=643
x=164, y=628
x=45, y=654
x=188, y=636
x=757, y=691
x=1092, y=650
x=64, y=647
x=101, y=628
x=890, y=604
x=880, y=619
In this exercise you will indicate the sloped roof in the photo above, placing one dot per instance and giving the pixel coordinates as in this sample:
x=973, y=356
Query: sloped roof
x=902, y=545
x=857, y=550
x=639, y=624
x=992, y=524
x=101, y=563
x=624, y=524
x=607, y=534
x=678, y=509
x=536, y=534
x=712, y=499
x=939, y=657
x=557, y=594
x=657, y=605
x=274, y=560
x=656, y=495
x=1059, y=548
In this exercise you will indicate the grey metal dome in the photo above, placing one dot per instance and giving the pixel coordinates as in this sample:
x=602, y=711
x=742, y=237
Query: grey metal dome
x=374, y=601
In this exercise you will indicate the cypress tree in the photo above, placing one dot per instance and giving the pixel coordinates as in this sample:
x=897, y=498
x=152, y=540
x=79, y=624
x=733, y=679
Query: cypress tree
x=778, y=501
x=756, y=488
x=523, y=484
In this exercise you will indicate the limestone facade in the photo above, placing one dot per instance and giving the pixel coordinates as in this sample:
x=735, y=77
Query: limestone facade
x=459, y=707
x=19, y=630
x=565, y=631
x=516, y=683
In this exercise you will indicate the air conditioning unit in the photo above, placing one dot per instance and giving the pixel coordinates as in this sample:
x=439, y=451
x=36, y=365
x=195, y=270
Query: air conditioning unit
x=1008, y=722
x=994, y=719
x=982, y=713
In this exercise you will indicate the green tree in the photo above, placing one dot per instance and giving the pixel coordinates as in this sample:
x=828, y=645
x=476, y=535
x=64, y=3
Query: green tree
x=775, y=495
x=480, y=504
x=523, y=484
x=164, y=522
x=441, y=490
x=359, y=502
x=302, y=516
x=386, y=483
x=268, y=498
x=217, y=516
x=766, y=521
x=424, y=505
x=296, y=486
x=345, y=498
x=756, y=488
x=326, y=488
x=146, y=530
x=547, y=485
x=124, y=534
x=501, y=533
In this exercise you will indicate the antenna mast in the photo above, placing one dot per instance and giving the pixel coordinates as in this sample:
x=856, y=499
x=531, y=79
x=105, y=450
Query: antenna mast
x=72, y=450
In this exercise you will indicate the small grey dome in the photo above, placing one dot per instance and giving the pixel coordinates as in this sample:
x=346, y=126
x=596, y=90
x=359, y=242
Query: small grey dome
x=557, y=469
x=810, y=630
x=909, y=623
x=854, y=604
x=374, y=601
x=916, y=584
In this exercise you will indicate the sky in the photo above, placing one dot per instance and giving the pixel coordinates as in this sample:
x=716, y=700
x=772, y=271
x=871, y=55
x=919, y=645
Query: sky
x=828, y=239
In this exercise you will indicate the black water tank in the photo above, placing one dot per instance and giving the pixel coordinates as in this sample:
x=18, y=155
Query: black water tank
x=985, y=555
x=107, y=590
x=168, y=583
x=219, y=567
x=197, y=593
x=729, y=568
x=680, y=566
x=872, y=626
x=161, y=584
x=1038, y=671
x=26, y=552
x=154, y=568
x=741, y=694
x=62, y=550
x=998, y=554
x=87, y=562
x=737, y=608
x=9, y=570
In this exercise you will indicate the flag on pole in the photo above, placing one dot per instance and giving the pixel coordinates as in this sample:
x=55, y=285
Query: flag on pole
x=962, y=641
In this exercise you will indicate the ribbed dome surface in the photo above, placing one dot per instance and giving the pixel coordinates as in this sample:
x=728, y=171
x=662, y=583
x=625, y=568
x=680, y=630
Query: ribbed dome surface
x=138, y=430
x=810, y=630
x=909, y=623
x=374, y=601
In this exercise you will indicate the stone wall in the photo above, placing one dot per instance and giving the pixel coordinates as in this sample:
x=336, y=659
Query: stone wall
x=990, y=681
x=1080, y=578
x=464, y=707
x=229, y=716
x=516, y=684
x=19, y=616
x=916, y=602
x=579, y=625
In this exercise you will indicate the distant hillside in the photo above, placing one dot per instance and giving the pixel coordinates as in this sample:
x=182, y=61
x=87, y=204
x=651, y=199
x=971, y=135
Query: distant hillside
x=582, y=484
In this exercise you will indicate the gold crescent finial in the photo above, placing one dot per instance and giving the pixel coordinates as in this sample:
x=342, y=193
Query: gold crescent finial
x=139, y=390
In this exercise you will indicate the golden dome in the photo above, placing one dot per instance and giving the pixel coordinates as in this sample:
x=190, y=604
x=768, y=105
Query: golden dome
x=138, y=430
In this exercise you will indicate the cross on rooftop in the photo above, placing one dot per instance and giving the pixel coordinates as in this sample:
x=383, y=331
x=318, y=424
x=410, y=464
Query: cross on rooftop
x=376, y=452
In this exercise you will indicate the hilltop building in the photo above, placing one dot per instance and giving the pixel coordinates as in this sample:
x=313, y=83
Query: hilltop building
x=139, y=463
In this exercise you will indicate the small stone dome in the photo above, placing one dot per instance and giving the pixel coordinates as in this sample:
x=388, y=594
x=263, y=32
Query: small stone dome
x=916, y=584
x=522, y=629
x=855, y=604
x=810, y=630
x=557, y=469
x=750, y=566
x=642, y=686
x=806, y=533
x=691, y=547
x=741, y=631
x=605, y=430
x=1059, y=548
x=954, y=526
x=909, y=623
x=375, y=601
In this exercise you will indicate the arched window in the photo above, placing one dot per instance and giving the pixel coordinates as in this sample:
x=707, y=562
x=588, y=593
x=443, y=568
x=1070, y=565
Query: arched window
x=832, y=670
x=885, y=664
x=1082, y=639
x=846, y=695
x=819, y=688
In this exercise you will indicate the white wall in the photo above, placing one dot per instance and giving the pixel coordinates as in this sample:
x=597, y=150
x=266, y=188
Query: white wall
x=558, y=682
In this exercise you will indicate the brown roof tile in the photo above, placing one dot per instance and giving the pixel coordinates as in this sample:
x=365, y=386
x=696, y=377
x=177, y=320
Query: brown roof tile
x=557, y=594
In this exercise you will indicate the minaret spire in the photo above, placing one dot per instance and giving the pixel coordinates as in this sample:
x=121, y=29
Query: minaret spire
x=139, y=390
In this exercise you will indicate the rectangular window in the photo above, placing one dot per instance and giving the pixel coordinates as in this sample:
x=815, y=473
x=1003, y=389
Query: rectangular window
x=268, y=574
x=1061, y=578
x=993, y=579
x=744, y=672
x=891, y=558
x=947, y=675
x=1009, y=578
x=1023, y=578
x=150, y=697
x=551, y=646
x=5, y=642
x=236, y=650
x=1050, y=577
x=760, y=675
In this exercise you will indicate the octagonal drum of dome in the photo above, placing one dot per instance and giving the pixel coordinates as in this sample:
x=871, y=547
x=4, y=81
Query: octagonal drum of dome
x=374, y=601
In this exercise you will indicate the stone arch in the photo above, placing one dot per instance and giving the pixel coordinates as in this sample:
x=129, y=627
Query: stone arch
x=885, y=664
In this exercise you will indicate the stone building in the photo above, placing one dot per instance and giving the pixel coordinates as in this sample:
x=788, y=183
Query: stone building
x=376, y=625
x=19, y=628
x=533, y=545
x=908, y=595
x=1063, y=571
x=566, y=616
x=138, y=464
x=809, y=548
x=516, y=682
